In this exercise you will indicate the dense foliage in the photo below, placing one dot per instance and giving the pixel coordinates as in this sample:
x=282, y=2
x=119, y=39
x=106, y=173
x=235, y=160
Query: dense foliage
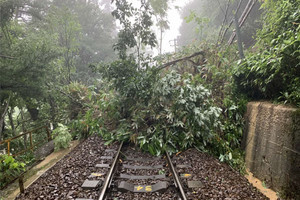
x=167, y=111
x=9, y=168
x=62, y=137
x=46, y=45
x=273, y=71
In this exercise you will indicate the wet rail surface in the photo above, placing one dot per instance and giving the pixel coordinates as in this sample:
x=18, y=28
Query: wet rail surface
x=132, y=174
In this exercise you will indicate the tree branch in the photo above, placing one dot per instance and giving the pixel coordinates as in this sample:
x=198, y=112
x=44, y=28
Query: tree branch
x=230, y=23
x=69, y=96
x=8, y=57
x=181, y=59
x=224, y=20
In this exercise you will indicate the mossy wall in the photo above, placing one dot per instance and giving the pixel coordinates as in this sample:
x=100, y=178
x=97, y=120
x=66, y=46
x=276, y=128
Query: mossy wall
x=272, y=145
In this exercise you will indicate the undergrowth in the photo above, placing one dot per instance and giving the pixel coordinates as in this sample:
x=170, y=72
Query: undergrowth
x=272, y=72
x=9, y=169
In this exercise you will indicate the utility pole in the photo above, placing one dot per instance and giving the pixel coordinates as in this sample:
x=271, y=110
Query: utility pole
x=239, y=39
x=173, y=43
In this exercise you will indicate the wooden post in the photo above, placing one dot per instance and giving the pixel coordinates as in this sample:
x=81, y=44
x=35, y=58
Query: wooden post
x=8, y=148
x=24, y=140
x=48, y=133
x=31, y=145
x=21, y=183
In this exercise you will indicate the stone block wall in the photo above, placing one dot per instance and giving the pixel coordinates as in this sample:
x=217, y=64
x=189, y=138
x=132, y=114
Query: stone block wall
x=272, y=145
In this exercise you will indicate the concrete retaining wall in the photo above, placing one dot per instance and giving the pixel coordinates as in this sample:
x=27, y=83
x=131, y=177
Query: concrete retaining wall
x=272, y=144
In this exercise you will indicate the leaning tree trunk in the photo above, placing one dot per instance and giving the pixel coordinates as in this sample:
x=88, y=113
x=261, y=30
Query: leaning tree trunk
x=161, y=40
x=23, y=127
x=239, y=38
x=11, y=121
x=52, y=111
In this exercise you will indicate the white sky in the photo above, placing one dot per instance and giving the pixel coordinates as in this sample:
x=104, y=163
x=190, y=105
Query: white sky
x=174, y=23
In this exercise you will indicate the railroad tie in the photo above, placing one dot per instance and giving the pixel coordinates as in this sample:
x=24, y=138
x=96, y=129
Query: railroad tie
x=142, y=167
x=83, y=199
x=142, y=159
x=88, y=184
x=183, y=166
x=102, y=165
x=106, y=157
x=195, y=184
x=158, y=187
x=110, y=150
x=134, y=177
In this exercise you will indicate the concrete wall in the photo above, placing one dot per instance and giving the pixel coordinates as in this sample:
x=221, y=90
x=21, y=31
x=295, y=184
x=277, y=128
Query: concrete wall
x=272, y=144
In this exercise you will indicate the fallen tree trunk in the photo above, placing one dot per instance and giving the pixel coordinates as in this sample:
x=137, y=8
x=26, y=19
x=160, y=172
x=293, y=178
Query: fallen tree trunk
x=181, y=59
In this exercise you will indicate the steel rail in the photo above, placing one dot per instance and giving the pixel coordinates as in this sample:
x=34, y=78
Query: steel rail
x=109, y=176
x=175, y=175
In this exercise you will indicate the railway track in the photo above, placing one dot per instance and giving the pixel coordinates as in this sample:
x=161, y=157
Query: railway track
x=132, y=174
x=82, y=174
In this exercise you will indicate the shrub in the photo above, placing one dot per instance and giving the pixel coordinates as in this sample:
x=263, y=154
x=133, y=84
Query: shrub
x=180, y=115
x=9, y=168
x=62, y=137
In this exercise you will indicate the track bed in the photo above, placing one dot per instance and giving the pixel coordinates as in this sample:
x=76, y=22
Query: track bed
x=133, y=156
x=64, y=180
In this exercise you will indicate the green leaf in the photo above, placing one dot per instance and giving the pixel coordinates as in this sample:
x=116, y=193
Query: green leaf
x=230, y=156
